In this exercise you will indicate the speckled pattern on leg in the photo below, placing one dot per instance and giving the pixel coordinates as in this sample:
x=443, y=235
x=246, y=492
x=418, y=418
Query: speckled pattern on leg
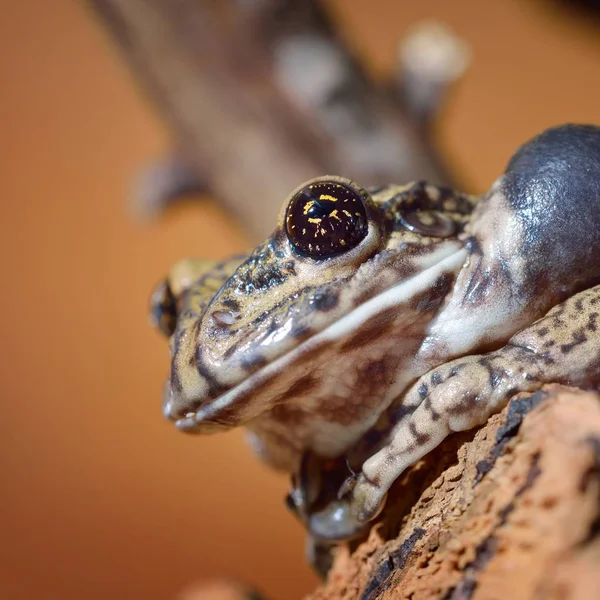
x=563, y=346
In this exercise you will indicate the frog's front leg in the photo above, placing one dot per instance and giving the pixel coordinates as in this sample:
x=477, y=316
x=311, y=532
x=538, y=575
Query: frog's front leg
x=563, y=347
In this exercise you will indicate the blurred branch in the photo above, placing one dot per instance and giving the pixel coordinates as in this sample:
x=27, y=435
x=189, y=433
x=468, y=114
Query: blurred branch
x=261, y=95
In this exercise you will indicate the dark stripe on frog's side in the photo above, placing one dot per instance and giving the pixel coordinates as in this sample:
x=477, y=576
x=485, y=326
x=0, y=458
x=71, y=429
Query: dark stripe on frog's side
x=370, y=331
x=431, y=299
x=426, y=302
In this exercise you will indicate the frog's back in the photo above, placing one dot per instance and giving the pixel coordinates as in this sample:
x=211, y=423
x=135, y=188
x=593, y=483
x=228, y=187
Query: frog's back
x=553, y=183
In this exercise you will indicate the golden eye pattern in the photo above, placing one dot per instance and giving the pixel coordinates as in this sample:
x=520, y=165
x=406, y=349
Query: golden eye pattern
x=326, y=218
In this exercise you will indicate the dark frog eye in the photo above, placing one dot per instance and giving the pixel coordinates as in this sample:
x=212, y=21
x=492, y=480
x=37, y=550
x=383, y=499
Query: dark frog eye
x=326, y=218
x=163, y=309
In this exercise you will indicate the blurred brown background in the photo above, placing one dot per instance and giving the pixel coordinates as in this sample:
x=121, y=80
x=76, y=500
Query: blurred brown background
x=101, y=498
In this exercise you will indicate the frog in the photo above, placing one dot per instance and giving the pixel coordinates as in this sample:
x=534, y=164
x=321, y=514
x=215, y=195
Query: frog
x=372, y=324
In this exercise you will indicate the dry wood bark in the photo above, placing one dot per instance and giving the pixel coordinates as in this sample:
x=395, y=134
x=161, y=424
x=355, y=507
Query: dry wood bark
x=263, y=95
x=509, y=512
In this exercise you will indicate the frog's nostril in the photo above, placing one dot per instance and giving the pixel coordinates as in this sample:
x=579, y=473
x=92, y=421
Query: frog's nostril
x=225, y=317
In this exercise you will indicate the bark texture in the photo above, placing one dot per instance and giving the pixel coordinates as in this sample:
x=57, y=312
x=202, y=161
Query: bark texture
x=511, y=511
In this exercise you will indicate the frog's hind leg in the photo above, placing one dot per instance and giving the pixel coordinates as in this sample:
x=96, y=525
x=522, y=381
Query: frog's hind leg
x=563, y=347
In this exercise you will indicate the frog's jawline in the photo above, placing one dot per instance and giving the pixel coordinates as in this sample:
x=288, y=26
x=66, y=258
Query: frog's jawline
x=207, y=416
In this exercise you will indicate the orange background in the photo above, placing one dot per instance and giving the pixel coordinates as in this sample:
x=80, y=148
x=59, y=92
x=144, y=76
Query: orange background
x=101, y=498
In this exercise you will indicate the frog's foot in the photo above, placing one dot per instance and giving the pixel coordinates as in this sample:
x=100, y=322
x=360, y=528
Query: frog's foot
x=162, y=183
x=563, y=346
x=330, y=523
x=368, y=499
x=315, y=501
x=335, y=523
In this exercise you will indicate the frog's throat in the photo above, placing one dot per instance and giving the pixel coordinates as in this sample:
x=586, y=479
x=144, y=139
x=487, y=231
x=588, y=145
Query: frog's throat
x=241, y=404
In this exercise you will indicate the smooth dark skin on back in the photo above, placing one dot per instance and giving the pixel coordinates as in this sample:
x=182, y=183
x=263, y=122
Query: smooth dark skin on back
x=562, y=168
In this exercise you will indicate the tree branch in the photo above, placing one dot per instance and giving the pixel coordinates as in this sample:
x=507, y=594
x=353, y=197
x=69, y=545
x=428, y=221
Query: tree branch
x=262, y=95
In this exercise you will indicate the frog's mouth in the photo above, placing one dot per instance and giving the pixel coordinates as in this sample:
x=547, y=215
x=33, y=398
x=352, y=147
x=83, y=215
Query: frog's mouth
x=262, y=390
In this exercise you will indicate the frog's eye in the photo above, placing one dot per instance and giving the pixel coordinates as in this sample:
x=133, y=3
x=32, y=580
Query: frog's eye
x=163, y=309
x=326, y=218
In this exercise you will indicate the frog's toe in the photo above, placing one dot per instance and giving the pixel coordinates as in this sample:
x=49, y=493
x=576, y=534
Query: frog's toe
x=347, y=487
x=368, y=500
x=336, y=523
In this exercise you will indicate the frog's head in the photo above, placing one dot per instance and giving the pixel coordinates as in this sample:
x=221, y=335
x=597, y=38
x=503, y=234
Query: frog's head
x=343, y=269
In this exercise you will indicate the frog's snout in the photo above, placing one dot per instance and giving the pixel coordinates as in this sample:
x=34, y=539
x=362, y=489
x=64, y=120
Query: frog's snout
x=171, y=410
x=174, y=411
x=177, y=409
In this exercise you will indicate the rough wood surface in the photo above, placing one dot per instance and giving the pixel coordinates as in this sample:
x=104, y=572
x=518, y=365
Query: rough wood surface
x=261, y=96
x=509, y=512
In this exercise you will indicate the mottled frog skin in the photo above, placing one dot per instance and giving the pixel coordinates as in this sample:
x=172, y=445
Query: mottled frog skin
x=371, y=325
